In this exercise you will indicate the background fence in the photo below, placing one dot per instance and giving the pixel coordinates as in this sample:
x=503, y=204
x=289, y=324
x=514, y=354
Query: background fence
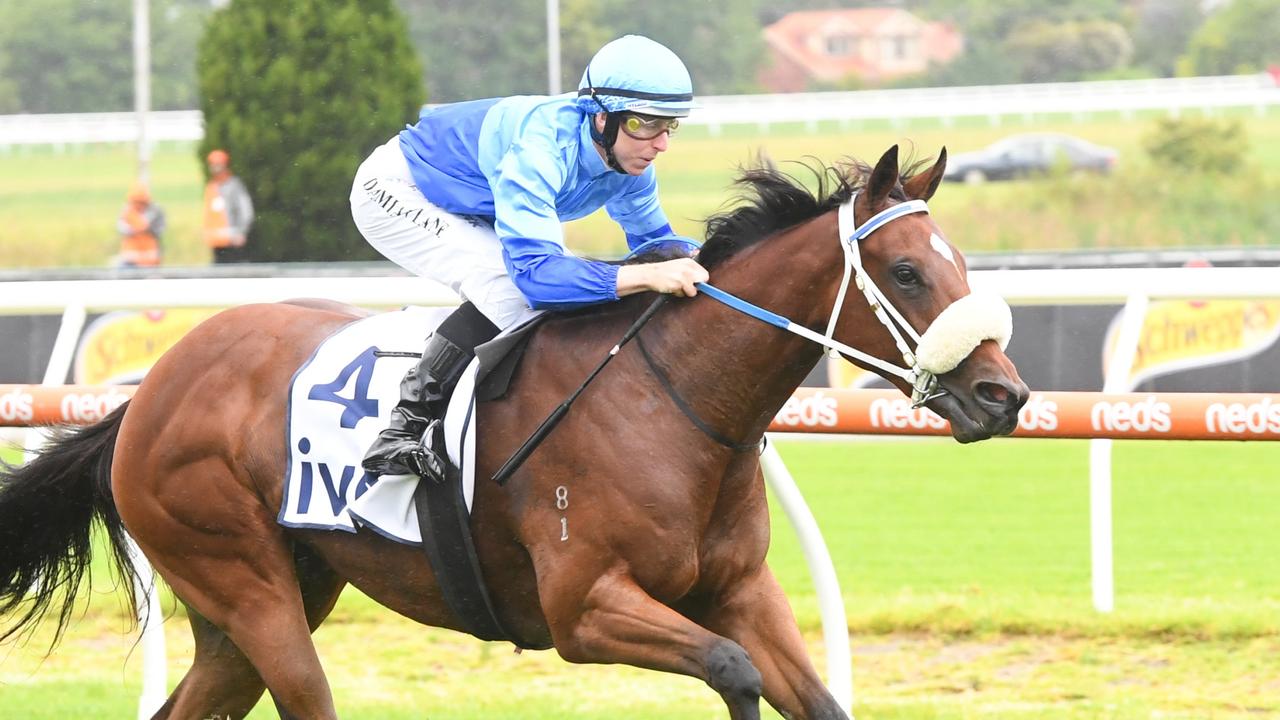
x=995, y=103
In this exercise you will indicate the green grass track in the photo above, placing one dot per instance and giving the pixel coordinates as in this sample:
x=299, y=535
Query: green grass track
x=964, y=569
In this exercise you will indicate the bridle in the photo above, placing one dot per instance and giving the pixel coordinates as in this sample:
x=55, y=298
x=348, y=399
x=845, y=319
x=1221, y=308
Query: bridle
x=924, y=384
x=964, y=324
x=923, y=381
x=949, y=339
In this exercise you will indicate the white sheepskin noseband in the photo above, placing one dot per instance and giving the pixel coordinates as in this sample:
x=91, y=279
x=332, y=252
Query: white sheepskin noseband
x=960, y=328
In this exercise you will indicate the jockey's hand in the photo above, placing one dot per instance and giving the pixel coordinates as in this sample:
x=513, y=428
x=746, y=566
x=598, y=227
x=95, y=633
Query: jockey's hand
x=672, y=277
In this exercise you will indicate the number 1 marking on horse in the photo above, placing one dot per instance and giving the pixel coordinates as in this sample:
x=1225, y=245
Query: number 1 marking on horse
x=562, y=503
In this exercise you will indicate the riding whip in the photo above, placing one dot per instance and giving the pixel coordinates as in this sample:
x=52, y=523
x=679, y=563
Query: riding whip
x=518, y=458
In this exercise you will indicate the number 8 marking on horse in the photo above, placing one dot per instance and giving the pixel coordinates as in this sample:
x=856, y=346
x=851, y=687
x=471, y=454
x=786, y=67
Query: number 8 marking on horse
x=562, y=503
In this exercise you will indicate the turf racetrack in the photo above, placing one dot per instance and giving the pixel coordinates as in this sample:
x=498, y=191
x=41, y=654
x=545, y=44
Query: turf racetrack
x=965, y=571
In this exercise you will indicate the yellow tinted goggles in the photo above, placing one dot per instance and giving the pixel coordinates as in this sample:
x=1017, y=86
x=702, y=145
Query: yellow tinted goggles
x=647, y=127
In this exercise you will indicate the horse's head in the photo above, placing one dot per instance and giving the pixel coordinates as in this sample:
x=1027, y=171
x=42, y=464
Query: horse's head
x=909, y=304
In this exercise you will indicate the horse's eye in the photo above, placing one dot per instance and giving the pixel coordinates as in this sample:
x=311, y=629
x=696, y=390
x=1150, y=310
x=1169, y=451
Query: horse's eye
x=905, y=275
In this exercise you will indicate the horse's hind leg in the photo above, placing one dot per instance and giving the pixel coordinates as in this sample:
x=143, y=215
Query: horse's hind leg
x=222, y=683
x=618, y=622
x=228, y=560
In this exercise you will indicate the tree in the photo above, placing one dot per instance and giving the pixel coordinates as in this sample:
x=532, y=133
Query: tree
x=1239, y=38
x=299, y=92
x=1070, y=50
x=467, y=56
x=73, y=56
x=583, y=31
x=993, y=21
x=176, y=26
x=1198, y=145
x=480, y=48
x=991, y=26
x=1102, y=46
x=980, y=64
x=10, y=102
x=719, y=40
x=68, y=56
x=1162, y=31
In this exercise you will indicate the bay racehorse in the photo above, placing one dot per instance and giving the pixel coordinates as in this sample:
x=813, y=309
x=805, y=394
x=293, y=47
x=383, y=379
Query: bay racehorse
x=665, y=568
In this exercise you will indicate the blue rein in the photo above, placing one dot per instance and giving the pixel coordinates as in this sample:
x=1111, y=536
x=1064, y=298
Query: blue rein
x=743, y=306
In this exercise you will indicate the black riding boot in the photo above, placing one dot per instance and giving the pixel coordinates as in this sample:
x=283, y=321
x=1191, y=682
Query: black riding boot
x=414, y=441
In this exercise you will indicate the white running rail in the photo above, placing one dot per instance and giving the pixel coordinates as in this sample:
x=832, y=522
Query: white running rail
x=995, y=102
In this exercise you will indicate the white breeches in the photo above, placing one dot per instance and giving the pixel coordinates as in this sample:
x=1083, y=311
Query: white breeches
x=462, y=253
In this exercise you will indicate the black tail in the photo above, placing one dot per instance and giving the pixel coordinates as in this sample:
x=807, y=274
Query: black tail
x=47, y=509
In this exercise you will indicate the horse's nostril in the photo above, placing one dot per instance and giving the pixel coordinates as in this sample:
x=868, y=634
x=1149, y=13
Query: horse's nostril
x=993, y=393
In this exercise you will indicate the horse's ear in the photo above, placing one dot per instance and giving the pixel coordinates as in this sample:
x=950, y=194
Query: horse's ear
x=925, y=184
x=883, y=178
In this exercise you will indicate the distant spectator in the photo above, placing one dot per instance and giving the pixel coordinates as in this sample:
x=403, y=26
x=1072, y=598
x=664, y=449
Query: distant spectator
x=140, y=225
x=228, y=211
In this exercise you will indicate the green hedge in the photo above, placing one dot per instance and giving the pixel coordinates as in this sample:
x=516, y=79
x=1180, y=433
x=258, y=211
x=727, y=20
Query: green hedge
x=299, y=92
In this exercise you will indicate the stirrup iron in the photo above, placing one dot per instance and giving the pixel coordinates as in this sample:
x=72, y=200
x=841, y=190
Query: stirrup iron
x=429, y=460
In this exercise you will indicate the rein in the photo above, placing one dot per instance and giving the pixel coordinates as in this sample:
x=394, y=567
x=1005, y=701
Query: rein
x=514, y=462
x=945, y=343
x=923, y=383
x=686, y=408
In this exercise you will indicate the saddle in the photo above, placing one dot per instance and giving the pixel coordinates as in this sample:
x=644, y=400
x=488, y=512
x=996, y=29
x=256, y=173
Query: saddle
x=338, y=403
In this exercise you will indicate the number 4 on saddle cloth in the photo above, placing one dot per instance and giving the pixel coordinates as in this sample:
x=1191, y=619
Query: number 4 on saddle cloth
x=342, y=398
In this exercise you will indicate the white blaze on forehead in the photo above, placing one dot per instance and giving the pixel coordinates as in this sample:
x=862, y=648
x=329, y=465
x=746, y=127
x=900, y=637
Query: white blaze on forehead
x=943, y=249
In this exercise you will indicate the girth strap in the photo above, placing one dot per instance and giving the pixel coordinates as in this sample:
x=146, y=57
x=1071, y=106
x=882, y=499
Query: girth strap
x=698, y=422
x=443, y=519
x=445, y=526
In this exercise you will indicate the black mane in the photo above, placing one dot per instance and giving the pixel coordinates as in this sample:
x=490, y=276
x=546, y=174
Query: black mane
x=771, y=200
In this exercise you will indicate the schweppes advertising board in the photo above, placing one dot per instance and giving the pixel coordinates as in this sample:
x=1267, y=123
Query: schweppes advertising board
x=119, y=347
x=1179, y=335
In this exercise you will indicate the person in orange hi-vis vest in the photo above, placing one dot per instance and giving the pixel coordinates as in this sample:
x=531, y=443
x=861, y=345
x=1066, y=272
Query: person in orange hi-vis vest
x=141, y=223
x=228, y=211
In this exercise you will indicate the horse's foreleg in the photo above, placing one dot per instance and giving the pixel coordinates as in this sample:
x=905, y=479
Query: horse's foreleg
x=617, y=622
x=755, y=613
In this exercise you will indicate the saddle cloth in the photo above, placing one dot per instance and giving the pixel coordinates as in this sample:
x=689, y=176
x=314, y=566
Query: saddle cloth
x=339, y=401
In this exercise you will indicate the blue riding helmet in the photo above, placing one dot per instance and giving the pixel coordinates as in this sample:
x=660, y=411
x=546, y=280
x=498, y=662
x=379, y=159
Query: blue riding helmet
x=636, y=74
x=632, y=74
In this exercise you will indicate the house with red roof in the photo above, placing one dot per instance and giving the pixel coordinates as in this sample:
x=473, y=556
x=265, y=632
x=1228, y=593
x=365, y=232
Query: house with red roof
x=815, y=47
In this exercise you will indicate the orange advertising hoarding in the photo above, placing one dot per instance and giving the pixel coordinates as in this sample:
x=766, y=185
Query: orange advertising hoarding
x=26, y=405
x=1172, y=416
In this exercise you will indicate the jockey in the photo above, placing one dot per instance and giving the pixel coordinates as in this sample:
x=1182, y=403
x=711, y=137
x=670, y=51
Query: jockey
x=474, y=194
